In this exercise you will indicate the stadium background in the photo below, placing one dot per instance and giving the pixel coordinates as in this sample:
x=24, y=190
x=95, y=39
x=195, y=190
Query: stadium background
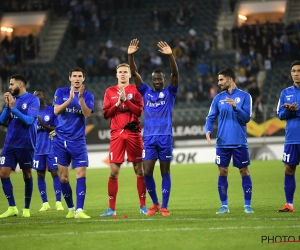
x=43, y=39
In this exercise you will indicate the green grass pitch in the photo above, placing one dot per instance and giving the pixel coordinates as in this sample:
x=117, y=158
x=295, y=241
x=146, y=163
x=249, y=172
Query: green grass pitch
x=193, y=223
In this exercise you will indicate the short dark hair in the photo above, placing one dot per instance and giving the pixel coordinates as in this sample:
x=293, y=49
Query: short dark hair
x=228, y=72
x=42, y=91
x=76, y=69
x=295, y=63
x=158, y=71
x=19, y=77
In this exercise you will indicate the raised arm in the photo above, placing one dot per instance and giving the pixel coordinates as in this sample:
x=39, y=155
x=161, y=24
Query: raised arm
x=166, y=49
x=133, y=47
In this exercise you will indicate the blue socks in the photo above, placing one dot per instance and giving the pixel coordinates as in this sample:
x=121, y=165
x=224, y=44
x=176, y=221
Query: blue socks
x=8, y=191
x=247, y=187
x=42, y=189
x=289, y=187
x=80, y=192
x=57, y=188
x=222, y=188
x=166, y=189
x=151, y=188
x=28, y=192
x=67, y=192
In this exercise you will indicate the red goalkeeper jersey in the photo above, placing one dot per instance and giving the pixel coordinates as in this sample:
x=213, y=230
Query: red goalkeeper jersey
x=128, y=111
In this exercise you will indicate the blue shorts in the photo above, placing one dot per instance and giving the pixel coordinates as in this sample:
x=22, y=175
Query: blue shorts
x=158, y=147
x=291, y=154
x=67, y=151
x=40, y=162
x=10, y=157
x=240, y=157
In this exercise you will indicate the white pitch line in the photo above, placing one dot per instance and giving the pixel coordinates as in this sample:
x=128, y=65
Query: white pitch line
x=120, y=219
x=144, y=230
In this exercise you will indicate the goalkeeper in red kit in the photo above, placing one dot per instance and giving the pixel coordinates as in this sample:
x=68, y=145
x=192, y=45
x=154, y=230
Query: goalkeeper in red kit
x=123, y=105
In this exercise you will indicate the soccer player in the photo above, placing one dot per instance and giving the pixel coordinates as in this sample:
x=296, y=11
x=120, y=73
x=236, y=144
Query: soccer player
x=287, y=109
x=158, y=140
x=44, y=155
x=232, y=107
x=73, y=105
x=20, y=114
x=123, y=105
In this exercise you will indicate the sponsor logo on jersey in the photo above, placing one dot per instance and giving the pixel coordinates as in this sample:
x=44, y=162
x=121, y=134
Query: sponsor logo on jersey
x=155, y=104
x=74, y=110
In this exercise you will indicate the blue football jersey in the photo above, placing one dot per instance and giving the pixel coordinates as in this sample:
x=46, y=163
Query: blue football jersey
x=20, y=135
x=71, y=123
x=43, y=142
x=290, y=95
x=158, y=107
x=232, y=130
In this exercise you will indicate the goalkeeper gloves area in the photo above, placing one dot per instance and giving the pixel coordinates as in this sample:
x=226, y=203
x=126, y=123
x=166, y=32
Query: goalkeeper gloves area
x=52, y=134
x=132, y=126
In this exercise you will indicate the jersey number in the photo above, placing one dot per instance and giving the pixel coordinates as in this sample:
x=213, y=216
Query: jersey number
x=35, y=164
x=286, y=157
x=218, y=159
x=2, y=160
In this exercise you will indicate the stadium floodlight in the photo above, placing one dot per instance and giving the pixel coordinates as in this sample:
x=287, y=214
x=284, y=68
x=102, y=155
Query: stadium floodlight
x=6, y=29
x=242, y=17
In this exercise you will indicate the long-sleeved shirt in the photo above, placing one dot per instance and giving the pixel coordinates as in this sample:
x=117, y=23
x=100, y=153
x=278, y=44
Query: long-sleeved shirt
x=232, y=132
x=130, y=110
x=290, y=95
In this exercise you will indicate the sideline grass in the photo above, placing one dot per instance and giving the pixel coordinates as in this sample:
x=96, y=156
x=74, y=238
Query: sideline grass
x=193, y=223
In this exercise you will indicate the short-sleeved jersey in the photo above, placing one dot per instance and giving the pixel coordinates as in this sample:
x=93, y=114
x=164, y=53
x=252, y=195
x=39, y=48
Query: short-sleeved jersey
x=158, y=107
x=123, y=114
x=20, y=135
x=43, y=142
x=232, y=132
x=71, y=123
x=290, y=95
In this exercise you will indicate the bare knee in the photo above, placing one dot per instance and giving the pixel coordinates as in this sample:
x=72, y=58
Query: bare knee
x=244, y=171
x=114, y=170
x=138, y=168
x=290, y=170
x=27, y=173
x=223, y=171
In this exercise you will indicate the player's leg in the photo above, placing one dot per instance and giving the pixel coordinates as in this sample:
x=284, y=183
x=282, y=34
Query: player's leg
x=223, y=156
x=39, y=164
x=134, y=149
x=241, y=160
x=63, y=162
x=78, y=152
x=116, y=158
x=140, y=185
x=165, y=149
x=166, y=186
x=25, y=159
x=290, y=159
x=7, y=163
x=150, y=155
x=53, y=169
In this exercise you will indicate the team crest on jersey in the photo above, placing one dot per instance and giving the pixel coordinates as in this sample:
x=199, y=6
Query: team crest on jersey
x=237, y=100
x=161, y=95
x=46, y=118
x=24, y=106
x=129, y=96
